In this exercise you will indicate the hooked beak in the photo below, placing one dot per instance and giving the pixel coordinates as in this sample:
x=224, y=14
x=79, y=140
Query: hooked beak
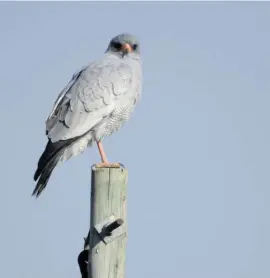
x=126, y=48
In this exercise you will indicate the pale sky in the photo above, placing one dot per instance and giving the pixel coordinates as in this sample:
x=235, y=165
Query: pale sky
x=197, y=146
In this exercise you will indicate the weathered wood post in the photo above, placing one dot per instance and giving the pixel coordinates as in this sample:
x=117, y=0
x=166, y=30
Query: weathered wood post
x=108, y=228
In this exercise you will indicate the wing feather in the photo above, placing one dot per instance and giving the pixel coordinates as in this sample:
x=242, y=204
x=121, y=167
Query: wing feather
x=60, y=105
x=91, y=95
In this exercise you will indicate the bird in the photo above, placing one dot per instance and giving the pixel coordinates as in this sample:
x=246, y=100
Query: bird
x=96, y=102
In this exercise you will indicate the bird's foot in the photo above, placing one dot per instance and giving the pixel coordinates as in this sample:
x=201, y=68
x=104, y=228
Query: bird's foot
x=108, y=165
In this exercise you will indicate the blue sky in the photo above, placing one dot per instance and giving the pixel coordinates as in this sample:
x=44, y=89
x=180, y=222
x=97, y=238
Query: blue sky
x=197, y=146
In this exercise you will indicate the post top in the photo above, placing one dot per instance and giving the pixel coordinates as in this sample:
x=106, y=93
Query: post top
x=109, y=167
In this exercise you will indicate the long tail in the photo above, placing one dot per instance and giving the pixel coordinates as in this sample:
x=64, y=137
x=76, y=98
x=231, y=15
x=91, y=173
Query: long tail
x=47, y=162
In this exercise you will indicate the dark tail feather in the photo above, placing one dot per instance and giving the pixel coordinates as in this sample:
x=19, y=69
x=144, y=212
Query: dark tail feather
x=44, y=177
x=47, y=163
x=48, y=155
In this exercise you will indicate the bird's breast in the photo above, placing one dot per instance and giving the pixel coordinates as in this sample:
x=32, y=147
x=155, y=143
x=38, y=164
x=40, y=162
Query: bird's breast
x=115, y=120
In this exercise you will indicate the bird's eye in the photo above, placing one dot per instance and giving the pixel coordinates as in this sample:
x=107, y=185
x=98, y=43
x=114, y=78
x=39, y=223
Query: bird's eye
x=117, y=45
x=135, y=46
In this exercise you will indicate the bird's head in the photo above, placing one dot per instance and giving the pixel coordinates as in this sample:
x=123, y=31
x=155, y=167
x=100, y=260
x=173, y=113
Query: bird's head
x=123, y=45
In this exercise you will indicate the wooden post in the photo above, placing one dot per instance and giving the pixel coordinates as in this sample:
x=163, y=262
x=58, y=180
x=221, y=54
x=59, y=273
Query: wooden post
x=108, y=227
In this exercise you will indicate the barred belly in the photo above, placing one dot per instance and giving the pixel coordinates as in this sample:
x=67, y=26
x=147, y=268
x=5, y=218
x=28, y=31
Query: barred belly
x=115, y=120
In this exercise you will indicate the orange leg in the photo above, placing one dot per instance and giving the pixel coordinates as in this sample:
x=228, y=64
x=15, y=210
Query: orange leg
x=105, y=163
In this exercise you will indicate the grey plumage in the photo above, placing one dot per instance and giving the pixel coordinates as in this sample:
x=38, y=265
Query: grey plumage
x=95, y=103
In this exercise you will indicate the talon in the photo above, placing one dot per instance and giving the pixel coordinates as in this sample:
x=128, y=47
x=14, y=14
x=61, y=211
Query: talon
x=122, y=165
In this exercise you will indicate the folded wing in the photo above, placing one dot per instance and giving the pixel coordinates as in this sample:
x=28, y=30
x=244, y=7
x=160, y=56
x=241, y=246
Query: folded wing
x=91, y=95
